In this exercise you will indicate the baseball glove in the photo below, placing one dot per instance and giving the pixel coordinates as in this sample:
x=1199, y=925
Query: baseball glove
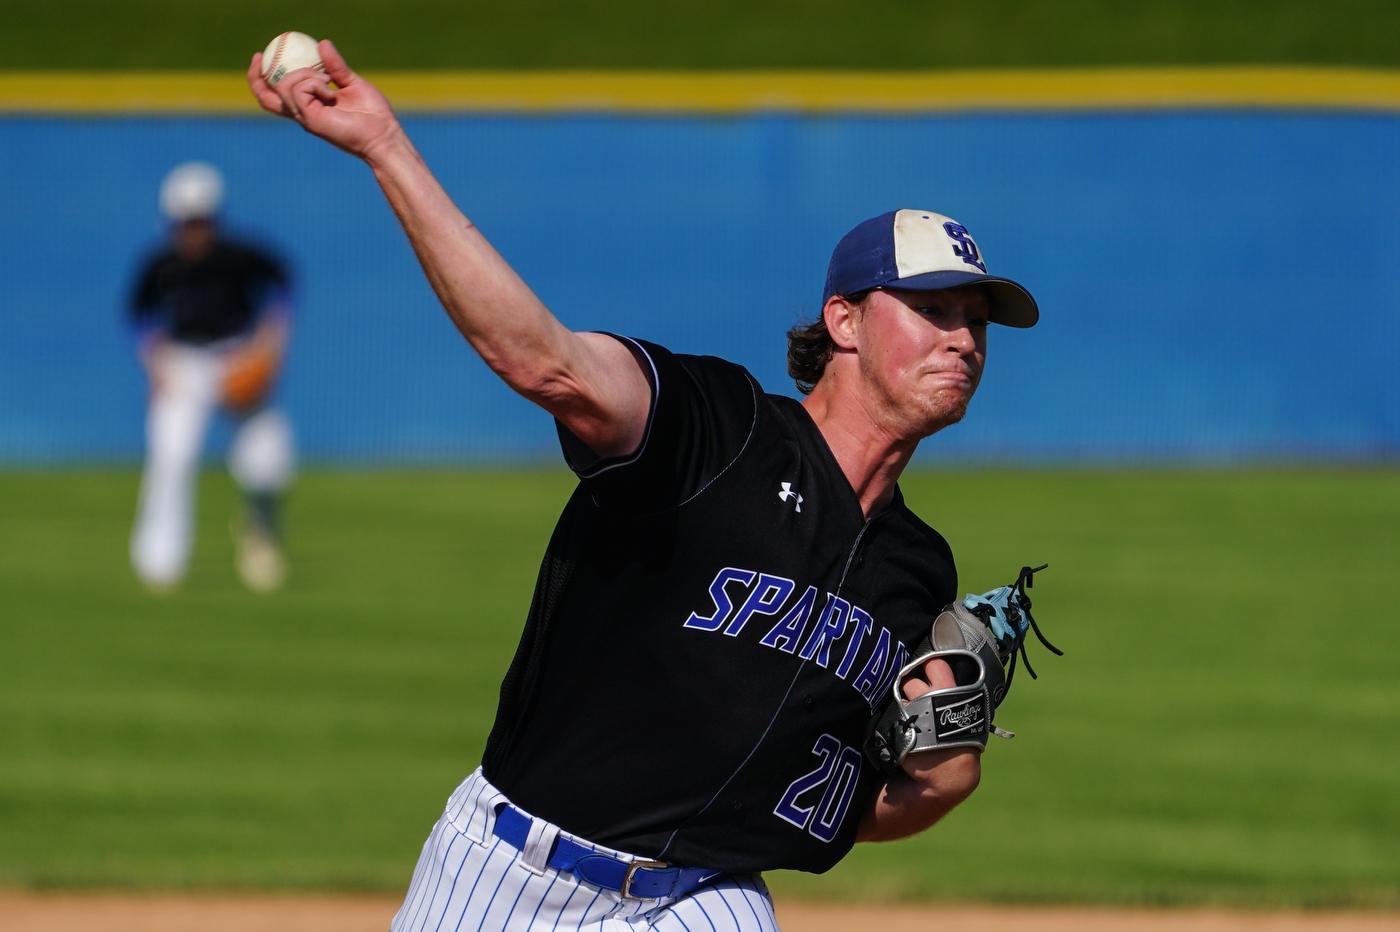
x=979, y=638
x=250, y=373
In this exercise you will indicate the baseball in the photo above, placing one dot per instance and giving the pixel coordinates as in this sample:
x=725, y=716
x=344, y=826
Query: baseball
x=288, y=52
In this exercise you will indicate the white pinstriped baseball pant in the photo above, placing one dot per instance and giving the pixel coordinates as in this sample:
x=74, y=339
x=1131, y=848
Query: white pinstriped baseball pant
x=468, y=880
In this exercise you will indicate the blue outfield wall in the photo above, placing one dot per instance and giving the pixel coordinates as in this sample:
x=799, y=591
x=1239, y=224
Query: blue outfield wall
x=1214, y=286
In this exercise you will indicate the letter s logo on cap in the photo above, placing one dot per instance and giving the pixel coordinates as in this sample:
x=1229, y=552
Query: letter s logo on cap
x=964, y=246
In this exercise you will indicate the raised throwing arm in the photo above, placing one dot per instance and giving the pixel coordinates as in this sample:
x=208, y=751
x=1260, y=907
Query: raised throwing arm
x=591, y=382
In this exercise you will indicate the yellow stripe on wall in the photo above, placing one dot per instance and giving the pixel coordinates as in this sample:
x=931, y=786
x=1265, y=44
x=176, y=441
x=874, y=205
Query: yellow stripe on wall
x=741, y=91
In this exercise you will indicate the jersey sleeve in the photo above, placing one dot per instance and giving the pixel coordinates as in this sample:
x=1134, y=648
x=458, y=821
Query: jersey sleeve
x=143, y=308
x=270, y=269
x=268, y=282
x=703, y=412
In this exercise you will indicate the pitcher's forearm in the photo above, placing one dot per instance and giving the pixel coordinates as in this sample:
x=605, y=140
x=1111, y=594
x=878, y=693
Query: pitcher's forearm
x=493, y=308
x=932, y=785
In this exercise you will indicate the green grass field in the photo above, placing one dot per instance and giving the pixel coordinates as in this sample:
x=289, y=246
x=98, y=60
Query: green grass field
x=1223, y=727
x=843, y=34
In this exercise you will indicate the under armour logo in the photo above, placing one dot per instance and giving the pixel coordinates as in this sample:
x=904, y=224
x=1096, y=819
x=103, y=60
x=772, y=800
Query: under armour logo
x=788, y=493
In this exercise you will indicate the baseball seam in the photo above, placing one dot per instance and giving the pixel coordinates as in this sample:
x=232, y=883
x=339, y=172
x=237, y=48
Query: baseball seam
x=275, y=69
x=277, y=56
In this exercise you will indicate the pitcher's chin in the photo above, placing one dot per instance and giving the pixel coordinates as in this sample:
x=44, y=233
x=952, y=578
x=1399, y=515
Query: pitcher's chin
x=946, y=408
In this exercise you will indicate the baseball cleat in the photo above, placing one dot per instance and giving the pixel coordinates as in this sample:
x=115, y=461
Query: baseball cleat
x=260, y=562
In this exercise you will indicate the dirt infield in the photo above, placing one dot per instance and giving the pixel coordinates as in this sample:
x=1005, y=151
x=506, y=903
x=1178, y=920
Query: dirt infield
x=30, y=912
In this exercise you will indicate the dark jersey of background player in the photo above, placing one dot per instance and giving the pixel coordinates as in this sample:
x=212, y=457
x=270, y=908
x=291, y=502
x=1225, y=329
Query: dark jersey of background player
x=714, y=621
x=206, y=299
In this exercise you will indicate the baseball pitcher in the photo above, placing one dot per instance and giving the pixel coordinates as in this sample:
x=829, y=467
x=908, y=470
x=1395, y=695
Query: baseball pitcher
x=744, y=651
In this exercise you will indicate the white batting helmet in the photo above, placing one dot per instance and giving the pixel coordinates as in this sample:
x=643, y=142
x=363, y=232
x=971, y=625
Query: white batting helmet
x=192, y=191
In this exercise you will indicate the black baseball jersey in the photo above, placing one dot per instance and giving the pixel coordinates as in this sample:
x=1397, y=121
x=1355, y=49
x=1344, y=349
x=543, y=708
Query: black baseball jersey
x=712, y=627
x=204, y=302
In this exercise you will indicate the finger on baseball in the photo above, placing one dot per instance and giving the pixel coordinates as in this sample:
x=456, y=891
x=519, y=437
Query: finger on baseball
x=335, y=65
x=318, y=85
x=297, y=89
x=322, y=88
x=265, y=95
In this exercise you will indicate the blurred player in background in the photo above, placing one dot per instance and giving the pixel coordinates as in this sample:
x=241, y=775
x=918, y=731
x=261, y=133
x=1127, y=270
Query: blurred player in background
x=211, y=318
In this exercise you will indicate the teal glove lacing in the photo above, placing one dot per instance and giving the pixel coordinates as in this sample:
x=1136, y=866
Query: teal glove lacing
x=1007, y=612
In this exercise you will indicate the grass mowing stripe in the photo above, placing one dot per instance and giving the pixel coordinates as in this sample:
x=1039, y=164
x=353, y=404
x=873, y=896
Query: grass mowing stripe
x=841, y=34
x=1220, y=729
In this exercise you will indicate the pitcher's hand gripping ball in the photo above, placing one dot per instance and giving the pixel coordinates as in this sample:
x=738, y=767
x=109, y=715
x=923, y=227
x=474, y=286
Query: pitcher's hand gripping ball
x=287, y=53
x=978, y=637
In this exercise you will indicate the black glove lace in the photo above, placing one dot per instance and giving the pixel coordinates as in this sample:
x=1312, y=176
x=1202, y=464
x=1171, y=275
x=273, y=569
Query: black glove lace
x=1023, y=582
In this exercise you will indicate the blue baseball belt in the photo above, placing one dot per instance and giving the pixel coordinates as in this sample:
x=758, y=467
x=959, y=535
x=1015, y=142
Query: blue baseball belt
x=642, y=880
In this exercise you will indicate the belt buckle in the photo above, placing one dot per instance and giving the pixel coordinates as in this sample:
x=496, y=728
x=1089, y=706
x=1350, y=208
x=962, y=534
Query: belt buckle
x=631, y=873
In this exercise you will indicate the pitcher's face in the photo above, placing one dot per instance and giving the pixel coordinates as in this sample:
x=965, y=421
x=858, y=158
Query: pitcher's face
x=922, y=353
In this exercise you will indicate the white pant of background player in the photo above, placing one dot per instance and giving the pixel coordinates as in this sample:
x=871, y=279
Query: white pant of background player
x=261, y=458
x=468, y=880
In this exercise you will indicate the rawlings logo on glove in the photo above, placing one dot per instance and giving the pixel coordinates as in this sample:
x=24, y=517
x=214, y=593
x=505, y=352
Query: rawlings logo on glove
x=979, y=638
x=966, y=716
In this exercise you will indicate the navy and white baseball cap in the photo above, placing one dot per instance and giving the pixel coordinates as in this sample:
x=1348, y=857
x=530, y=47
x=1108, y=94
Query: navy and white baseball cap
x=919, y=250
